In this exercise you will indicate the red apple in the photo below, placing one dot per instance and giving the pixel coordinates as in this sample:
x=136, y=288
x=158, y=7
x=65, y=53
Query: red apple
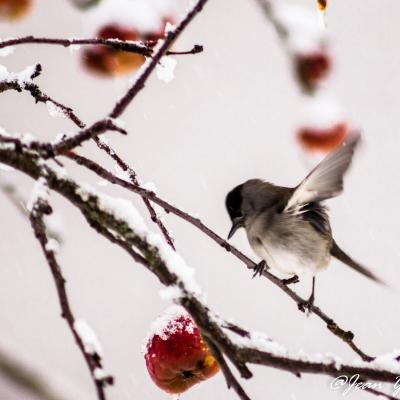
x=312, y=68
x=176, y=355
x=14, y=9
x=322, y=139
x=107, y=61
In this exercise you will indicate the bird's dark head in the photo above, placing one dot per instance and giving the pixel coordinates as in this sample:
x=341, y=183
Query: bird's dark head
x=233, y=203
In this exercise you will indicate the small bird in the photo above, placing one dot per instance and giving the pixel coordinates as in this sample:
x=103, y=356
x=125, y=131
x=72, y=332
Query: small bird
x=288, y=228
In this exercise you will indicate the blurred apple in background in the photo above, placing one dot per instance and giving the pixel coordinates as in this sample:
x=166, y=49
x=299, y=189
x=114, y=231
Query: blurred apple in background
x=107, y=61
x=110, y=62
x=312, y=68
x=11, y=10
x=322, y=139
x=139, y=20
x=176, y=355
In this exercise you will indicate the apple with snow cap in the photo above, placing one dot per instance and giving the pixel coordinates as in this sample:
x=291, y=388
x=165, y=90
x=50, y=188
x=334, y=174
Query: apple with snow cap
x=176, y=355
x=11, y=10
x=127, y=20
x=323, y=125
x=322, y=139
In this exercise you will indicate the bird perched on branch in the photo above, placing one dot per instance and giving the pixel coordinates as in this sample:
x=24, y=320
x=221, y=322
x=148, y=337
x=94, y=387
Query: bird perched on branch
x=288, y=228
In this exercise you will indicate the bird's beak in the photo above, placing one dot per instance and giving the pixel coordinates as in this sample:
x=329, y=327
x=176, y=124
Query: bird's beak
x=236, y=224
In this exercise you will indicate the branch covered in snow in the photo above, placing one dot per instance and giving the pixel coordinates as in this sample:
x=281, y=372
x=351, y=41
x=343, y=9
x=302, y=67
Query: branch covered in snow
x=84, y=337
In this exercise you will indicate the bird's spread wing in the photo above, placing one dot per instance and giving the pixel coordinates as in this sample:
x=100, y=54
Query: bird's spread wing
x=326, y=179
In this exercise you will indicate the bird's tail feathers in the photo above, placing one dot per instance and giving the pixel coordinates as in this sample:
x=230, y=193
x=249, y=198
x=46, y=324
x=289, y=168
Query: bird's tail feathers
x=338, y=253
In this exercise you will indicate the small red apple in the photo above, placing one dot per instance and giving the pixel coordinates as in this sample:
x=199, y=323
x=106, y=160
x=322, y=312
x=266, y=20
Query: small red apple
x=176, y=355
x=322, y=139
x=14, y=9
x=312, y=68
x=107, y=61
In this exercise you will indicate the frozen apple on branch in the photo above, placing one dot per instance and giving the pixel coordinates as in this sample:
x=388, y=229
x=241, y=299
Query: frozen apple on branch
x=141, y=21
x=323, y=125
x=176, y=355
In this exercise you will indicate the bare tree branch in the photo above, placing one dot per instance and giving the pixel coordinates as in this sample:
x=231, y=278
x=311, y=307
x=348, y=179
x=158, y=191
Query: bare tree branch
x=143, y=48
x=230, y=379
x=93, y=360
x=129, y=46
x=121, y=105
x=38, y=95
x=133, y=178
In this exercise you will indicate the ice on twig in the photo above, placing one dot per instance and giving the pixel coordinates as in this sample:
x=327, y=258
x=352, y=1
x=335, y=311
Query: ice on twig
x=170, y=293
x=54, y=110
x=149, y=186
x=166, y=69
x=53, y=246
x=89, y=339
x=99, y=374
x=40, y=191
x=25, y=76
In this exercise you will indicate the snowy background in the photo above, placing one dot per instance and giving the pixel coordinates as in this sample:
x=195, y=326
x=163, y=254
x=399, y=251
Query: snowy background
x=229, y=115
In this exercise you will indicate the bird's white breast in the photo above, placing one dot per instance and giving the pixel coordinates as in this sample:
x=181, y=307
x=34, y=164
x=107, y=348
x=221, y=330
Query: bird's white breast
x=286, y=261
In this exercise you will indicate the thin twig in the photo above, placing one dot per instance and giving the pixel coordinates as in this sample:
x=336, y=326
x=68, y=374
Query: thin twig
x=195, y=50
x=38, y=95
x=129, y=46
x=143, y=48
x=121, y=105
x=93, y=360
x=230, y=379
x=133, y=178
